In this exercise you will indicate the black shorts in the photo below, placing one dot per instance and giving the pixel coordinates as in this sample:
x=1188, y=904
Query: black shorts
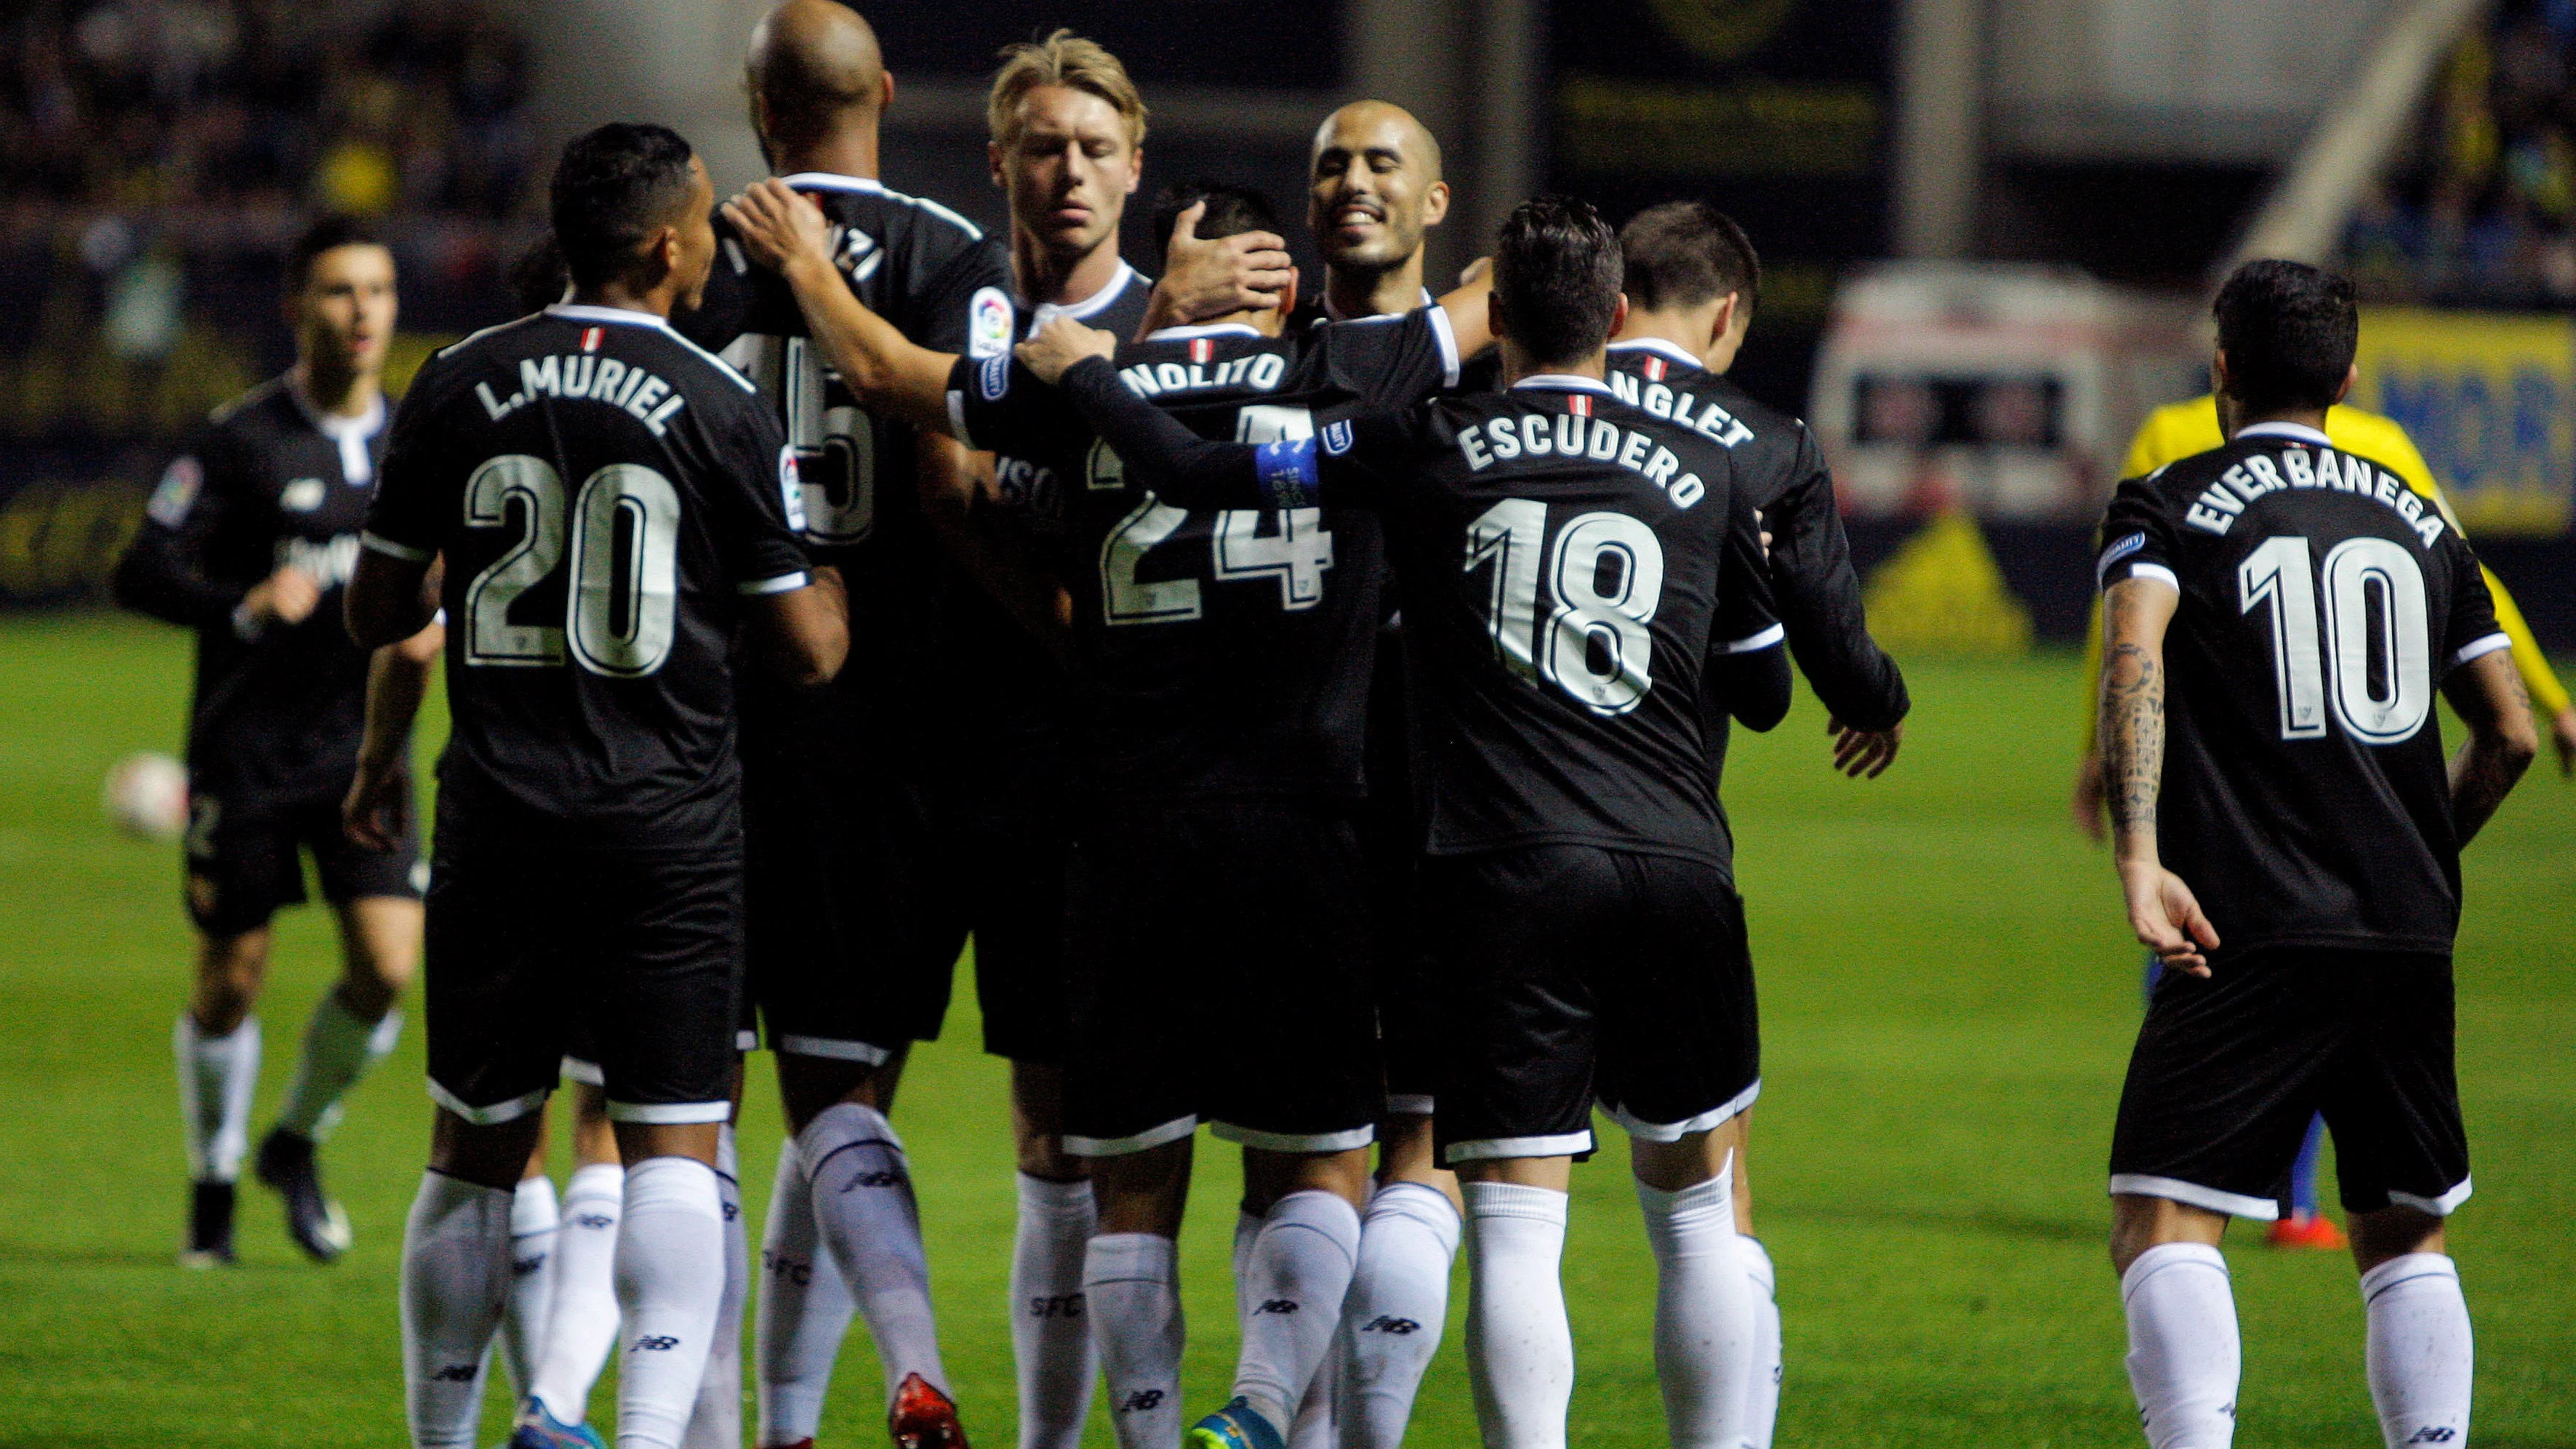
x=1220, y=959
x=2229, y=1070
x=242, y=844
x=633, y=956
x=1390, y=827
x=1570, y=973
x=863, y=885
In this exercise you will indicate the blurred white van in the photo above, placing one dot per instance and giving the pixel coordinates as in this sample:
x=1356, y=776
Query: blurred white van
x=2009, y=391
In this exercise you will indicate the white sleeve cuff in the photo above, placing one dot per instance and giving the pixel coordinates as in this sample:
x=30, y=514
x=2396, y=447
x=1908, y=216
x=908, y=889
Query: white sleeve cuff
x=784, y=583
x=2473, y=649
x=391, y=549
x=1754, y=642
x=2156, y=571
x=957, y=418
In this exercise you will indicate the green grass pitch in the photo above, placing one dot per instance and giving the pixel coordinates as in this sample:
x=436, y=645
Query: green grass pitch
x=1948, y=996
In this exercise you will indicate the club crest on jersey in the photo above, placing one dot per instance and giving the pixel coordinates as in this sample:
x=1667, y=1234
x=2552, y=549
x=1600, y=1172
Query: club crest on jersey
x=177, y=492
x=988, y=324
x=994, y=378
x=301, y=496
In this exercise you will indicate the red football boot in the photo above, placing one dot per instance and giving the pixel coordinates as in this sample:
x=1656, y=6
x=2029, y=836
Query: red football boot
x=924, y=1418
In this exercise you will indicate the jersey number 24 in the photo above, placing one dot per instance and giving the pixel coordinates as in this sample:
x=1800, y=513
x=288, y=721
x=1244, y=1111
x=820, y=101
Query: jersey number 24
x=2372, y=658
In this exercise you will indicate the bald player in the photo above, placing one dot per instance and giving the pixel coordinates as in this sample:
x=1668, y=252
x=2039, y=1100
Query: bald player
x=860, y=883
x=1374, y=192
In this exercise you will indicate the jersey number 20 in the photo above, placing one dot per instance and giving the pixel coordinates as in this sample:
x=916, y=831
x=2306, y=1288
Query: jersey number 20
x=622, y=601
x=2375, y=647
x=1606, y=575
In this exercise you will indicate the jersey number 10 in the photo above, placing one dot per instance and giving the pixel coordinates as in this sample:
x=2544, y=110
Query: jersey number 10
x=622, y=603
x=2375, y=647
x=1606, y=574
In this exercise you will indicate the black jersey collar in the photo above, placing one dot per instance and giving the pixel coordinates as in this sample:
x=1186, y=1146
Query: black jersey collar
x=2296, y=432
x=1561, y=382
x=1668, y=350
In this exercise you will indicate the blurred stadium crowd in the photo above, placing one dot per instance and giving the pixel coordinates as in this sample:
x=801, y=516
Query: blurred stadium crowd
x=2482, y=209
x=173, y=104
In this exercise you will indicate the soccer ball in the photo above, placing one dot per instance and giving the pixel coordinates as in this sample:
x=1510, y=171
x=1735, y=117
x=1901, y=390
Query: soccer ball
x=147, y=796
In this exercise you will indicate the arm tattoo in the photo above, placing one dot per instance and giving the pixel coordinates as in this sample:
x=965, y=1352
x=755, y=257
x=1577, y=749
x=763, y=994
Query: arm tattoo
x=2133, y=735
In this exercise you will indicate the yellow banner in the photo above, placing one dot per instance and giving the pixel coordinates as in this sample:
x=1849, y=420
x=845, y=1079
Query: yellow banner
x=2490, y=399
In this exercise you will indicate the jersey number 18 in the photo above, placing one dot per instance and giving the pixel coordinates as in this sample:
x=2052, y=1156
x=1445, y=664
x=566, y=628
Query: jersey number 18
x=1606, y=575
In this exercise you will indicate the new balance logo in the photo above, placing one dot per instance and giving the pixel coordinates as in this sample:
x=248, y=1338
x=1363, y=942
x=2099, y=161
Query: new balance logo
x=1142, y=1401
x=656, y=1343
x=798, y=1271
x=2433, y=1434
x=1387, y=1323
x=882, y=1177
x=1276, y=1305
x=522, y=1267
x=594, y=1220
x=1056, y=1305
x=455, y=1373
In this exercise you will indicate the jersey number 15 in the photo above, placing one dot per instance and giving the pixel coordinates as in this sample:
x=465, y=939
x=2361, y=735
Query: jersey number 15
x=2373, y=658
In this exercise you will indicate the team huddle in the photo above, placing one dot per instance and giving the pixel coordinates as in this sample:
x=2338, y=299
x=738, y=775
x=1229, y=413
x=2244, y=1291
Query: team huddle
x=1312, y=709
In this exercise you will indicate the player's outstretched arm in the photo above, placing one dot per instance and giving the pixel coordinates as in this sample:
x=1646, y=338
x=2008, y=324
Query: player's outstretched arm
x=2488, y=693
x=1471, y=321
x=787, y=233
x=1206, y=277
x=1180, y=466
x=378, y=808
x=2162, y=910
x=803, y=635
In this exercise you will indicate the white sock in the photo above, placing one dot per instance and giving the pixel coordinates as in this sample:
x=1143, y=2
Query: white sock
x=1398, y=1306
x=1247, y=1227
x=716, y=1422
x=1315, y=1424
x=338, y=1049
x=581, y=1323
x=805, y=1308
x=864, y=1205
x=2421, y=1355
x=1294, y=1281
x=670, y=1283
x=217, y=1075
x=1762, y=1409
x=1311, y=1427
x=1132, y=1284
x=455, y=1279
x=2184, y=1358
x=1520, y=1349
x=534, y=1220
x=1050, y=1327
x=1704, y=1312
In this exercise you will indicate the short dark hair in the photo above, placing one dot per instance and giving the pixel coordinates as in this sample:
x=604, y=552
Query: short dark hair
x=1687, y=254
x=2289, y=331
x=1231, y=210
x=1556, y=277
x=612, y=188
x=536, y=276
x=327, y=233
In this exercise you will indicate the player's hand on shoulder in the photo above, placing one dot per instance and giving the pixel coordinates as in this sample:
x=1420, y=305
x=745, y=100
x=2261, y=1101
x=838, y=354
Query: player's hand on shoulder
x=2167, y=917
x=1062, y=343
x=780, y=227
x=1864, y=754
x=287, y=596
x=1207, y=277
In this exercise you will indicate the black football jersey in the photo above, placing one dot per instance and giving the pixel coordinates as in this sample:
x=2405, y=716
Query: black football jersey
x=606, y=494
x=2306, y=800
x=1568, y=565
x=1224, y=651
x=268, y=481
